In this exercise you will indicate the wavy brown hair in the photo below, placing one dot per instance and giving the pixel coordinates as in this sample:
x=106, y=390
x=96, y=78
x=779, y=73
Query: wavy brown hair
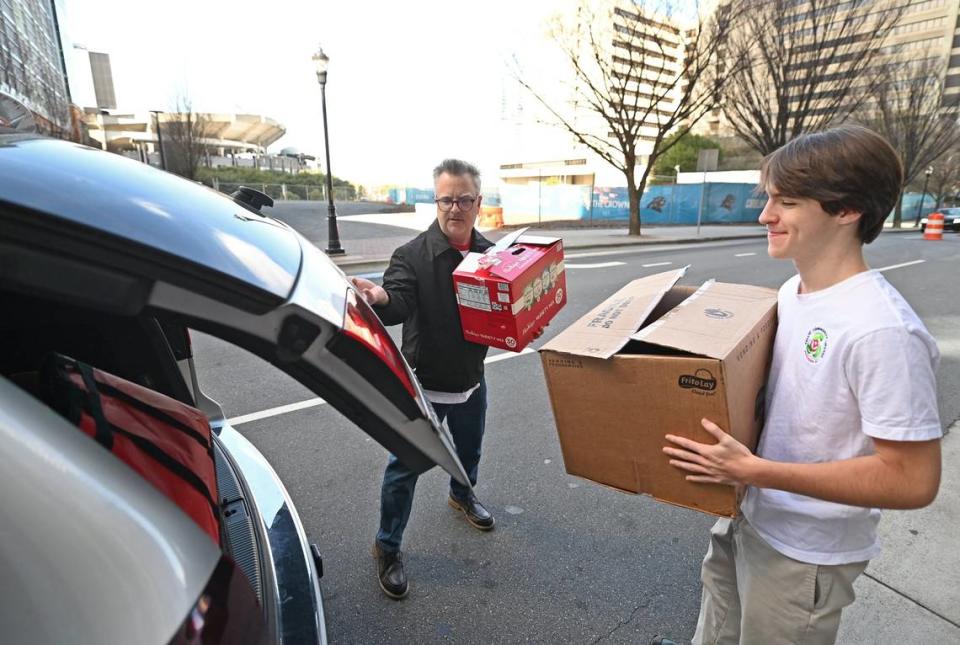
x=846, y=168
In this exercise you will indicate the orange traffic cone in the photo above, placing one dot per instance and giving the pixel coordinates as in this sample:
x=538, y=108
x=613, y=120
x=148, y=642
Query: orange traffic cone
x=934, y=229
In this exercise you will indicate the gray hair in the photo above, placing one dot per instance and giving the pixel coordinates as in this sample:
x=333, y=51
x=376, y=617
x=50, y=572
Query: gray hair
x=457, y=168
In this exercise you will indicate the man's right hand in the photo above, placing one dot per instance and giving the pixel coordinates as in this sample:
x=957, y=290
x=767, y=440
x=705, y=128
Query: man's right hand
x=373, y=293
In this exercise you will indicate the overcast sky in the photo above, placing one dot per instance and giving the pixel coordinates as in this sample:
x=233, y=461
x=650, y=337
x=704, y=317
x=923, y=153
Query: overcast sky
x=409, y=83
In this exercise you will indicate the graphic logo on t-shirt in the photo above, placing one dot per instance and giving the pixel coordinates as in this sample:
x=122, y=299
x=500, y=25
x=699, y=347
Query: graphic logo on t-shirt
x=815, y=345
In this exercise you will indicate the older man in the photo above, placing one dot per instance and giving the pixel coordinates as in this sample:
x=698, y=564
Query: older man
x=418, y=292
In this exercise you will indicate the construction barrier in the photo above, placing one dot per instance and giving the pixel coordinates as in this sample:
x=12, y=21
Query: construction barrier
x=491, y=216
x=934, y=227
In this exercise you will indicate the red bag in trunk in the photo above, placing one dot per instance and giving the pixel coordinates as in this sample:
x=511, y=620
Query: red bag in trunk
x=164, y=441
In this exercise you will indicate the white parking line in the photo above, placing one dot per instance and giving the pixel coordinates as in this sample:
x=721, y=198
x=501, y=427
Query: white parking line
x=899, y=266
x=599, y=265
x=310, y=403
x=656, y=264
x=272, y=412
x=743, y=255
x=505, y=355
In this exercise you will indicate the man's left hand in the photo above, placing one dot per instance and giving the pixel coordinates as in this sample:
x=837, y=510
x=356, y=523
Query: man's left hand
x=537, y=334
x=726, y=462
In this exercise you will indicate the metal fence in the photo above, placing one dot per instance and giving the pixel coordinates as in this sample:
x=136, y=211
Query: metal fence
x=291, y=192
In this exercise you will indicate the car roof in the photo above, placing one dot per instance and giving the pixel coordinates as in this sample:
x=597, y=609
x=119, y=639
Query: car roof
x=77, y=191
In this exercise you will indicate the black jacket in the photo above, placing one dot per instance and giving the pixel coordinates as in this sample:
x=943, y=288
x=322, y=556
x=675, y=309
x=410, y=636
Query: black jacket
x=419, y=281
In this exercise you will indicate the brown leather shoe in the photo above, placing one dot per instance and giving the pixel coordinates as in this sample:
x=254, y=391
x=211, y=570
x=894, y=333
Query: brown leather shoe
x=390, y=574
x=473, y=510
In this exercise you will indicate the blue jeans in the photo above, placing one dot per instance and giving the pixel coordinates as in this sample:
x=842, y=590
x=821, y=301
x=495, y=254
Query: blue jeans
x=466, y=423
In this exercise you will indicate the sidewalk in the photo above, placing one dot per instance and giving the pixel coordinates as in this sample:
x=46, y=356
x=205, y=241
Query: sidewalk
x=910, y=594
x=368, y=252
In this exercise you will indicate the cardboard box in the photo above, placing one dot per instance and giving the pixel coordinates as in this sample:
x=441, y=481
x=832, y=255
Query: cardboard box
x=654, y=359
x=507, y=294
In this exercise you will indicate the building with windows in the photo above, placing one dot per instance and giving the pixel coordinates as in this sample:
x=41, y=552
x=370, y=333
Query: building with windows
x=32, y=68
x=927, y=31
x=643, y=54
x=91, y=79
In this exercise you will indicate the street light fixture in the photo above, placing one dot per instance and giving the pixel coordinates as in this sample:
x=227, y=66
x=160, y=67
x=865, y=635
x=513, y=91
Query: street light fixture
x=322, y=61
x=927, y=172
x=156, y=116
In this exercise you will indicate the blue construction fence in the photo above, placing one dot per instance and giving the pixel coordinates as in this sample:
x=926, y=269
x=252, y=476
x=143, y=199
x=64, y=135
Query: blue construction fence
x=661, y=204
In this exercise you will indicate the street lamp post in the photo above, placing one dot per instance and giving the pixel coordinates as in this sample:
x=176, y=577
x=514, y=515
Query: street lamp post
x=322, y=61
x=163, y=160
x=927, y=172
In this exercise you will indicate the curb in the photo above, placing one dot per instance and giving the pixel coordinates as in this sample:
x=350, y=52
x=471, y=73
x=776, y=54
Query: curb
x=345, y=261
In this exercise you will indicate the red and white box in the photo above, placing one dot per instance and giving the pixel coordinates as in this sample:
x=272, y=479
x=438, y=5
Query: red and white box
x=510, y=292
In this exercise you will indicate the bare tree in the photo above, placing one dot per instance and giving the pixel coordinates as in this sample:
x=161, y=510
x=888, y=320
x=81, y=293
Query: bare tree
x=640, y=77
x=907, y=108
x=184, y=139
x=805, y=65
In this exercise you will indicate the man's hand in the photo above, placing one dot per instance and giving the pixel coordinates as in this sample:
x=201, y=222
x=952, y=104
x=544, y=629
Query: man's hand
x=373, y=293
x=726, y=462
x=537, y=334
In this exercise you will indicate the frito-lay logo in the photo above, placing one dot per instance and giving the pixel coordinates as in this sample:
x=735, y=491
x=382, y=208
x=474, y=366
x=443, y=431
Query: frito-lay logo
x=701, y=380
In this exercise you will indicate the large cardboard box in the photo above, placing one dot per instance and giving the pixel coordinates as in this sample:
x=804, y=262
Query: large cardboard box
x=507, y=294
x=654, y=359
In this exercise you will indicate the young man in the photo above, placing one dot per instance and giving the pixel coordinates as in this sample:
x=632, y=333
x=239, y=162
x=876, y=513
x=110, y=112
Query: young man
x=418, y=292
x=852, y=423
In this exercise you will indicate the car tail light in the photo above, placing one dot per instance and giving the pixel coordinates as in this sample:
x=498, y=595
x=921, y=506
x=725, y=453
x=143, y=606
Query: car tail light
x=226, y=612
x=362, y=324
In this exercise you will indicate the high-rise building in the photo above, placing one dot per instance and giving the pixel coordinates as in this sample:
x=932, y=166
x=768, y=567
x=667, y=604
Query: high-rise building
x=91, y=79
x=642, y=52
x=32, y=69
x=927, y=31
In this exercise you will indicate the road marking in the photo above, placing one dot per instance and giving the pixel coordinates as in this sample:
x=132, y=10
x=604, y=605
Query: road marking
x=311, y=403
x=599, y=265
x=662, y=247
x=899, y=266
x=272, y=412
x=656, y=264
x=505, y=355
x=743, y=255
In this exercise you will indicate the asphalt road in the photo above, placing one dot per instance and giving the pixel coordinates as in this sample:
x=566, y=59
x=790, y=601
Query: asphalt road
x=570, y=561
x=309, y=218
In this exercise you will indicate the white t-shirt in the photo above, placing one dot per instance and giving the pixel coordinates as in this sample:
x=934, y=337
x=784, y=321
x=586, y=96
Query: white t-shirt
x=850, y=362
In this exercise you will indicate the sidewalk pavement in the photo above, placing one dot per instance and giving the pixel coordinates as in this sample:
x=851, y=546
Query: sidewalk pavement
x=911, y=592
x=368, y=252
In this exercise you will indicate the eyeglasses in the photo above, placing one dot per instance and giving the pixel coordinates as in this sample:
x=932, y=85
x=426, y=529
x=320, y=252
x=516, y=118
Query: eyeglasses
x=446, y=203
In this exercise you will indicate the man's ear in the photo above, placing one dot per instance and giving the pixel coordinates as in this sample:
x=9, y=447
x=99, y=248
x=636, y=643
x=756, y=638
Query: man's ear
x=479, y=201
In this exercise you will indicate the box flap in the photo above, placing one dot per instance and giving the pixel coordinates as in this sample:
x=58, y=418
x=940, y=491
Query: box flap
x=537, y=240
x=711, y=322
x=470, y=263
x=607, y=328
x=513, y=262
x=504, y=242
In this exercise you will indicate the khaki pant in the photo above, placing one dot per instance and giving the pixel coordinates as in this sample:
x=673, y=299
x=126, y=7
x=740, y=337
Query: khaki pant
x=754, y=595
